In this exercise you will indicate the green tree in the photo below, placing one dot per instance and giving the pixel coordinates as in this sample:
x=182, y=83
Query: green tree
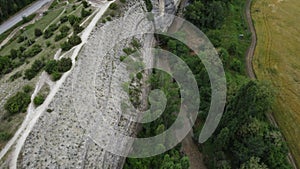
x=38, y=32
x=17, y=103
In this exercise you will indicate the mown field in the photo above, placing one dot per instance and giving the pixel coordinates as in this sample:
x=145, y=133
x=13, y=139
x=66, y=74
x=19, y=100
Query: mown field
x=277, y=60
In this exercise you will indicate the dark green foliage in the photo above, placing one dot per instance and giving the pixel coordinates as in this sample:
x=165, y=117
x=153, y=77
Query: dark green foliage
x=34, y=70
x=64, y=64
x=47, y=34
x=66, y=46
x=73, y=19
x=38, y=32
x=85, y=4
x=85, y=13
x=14, y=53
x=8, y=8
x=17, y=103
x=60, y=37
x=128, y=51
x=122, y=58
x=4, y=136
x=206, y=14
x=123, y=1
x=135, y=43
x=5, y=65
x=74, y=40
x=53, y=27
x=108, y=18
x=148, y=5
x=21, y=39
x=38, y=100
x=63, y=19
x=244, y=132
x=57, y=68
x=27, y=89
x=51, y=66
x=113, y=6
x=64, y=29
x=77, y=28
x=16, y=76
x=34, y=50
x=56, y=76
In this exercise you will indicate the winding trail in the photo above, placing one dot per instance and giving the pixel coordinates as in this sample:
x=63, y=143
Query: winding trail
x=250, y=70
x=34, y=114
x=251, y=49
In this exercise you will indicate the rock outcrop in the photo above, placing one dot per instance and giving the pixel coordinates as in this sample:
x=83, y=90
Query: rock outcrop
x=62, y=136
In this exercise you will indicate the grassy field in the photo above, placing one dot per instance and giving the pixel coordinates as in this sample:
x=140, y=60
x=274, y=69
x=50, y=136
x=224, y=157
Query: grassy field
x=277, y=60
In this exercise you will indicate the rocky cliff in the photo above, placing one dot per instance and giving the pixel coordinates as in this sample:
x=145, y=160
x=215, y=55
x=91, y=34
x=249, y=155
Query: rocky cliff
x=62, y=136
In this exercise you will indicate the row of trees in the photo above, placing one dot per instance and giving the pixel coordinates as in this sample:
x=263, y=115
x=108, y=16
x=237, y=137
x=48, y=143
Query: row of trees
x=57, y=68
x=245, y=138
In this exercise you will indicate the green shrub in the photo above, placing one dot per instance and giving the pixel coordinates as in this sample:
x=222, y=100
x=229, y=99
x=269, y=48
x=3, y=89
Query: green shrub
x=85, y=4
x=60, y=36
x=15, y=76
x=4, y=136
x=34, y=50
x=38, y=32
x=122, y=58
x=64, y=65
x=77, y=28
x=21, y=39
x=38, y=100
x=17, y=103
x=64, y=29
x=63, y=19
x=113, y=6
x=47, y=34
x=148, y=5
x=128, y=51
x=85, y=13
x=27, y=89
x=56, y=76
x=72, y=19
x=34, y=70
x=74, y=40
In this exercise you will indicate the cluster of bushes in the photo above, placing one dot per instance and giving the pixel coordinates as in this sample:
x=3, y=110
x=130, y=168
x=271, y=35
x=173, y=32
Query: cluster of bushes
x=245, y=134
x=35, y=68
x=85, y=13
x=57, y=68
x=4, y=136
x=113, y=6
x=63, y=33
x=34, y=50
x=19, y=102
x=38, y=100
x=38, y=32
x=148, y=5
x=50, y=31
x=71, y=42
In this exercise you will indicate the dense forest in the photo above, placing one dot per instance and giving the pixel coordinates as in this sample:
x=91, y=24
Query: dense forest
x=10, y=7
x=245, y=139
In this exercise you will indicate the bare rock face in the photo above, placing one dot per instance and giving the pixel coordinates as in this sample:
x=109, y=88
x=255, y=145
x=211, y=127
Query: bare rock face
x=166, y=6
x=62, y=138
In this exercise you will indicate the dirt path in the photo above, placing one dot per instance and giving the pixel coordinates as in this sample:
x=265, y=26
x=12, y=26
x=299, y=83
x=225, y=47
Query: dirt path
x=251, y=49
x=250, y=71
x=191, y=150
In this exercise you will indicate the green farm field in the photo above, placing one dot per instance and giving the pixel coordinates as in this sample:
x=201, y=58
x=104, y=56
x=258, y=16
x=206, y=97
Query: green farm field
x=277, y=60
